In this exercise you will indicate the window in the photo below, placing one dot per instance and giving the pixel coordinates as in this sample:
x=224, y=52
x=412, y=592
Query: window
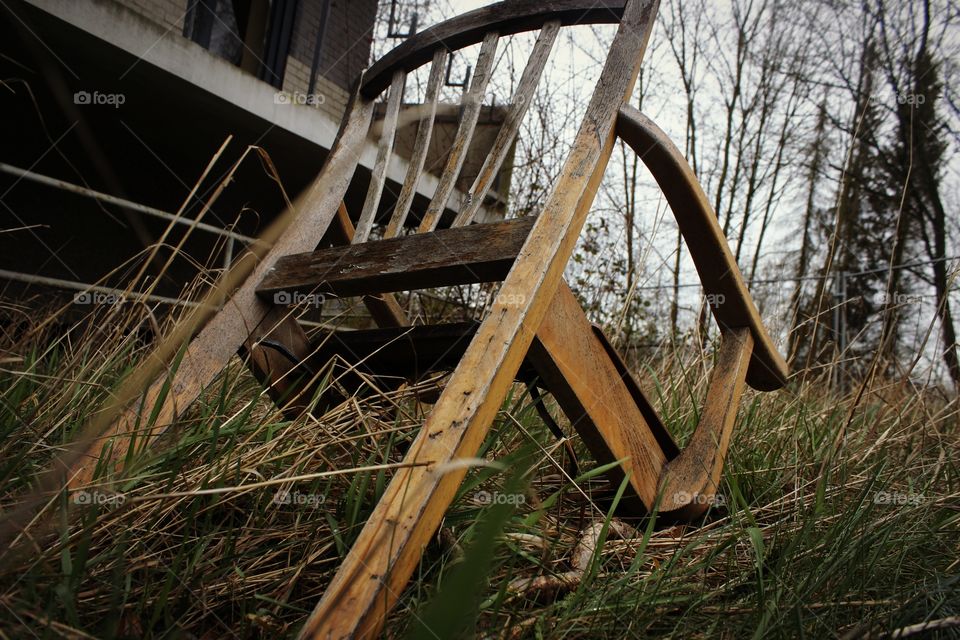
x=255, y=35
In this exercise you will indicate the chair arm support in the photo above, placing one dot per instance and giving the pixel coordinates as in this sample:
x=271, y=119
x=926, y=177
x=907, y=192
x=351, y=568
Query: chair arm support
x=732, y=305
x=688, y=483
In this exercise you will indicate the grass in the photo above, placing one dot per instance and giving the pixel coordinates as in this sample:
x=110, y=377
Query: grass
x=840, y=515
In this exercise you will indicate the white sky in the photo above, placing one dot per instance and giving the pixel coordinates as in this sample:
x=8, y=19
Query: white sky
x=572, y=73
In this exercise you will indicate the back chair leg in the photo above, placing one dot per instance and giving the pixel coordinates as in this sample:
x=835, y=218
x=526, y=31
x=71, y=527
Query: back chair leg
x=272, y=352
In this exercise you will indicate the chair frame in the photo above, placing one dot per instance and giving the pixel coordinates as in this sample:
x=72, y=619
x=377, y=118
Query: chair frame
x=547, y=325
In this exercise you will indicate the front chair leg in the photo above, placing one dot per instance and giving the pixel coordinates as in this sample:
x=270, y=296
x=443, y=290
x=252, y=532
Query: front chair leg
x=688, y=483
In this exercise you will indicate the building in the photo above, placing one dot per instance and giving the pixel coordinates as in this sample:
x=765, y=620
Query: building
x=114, y=110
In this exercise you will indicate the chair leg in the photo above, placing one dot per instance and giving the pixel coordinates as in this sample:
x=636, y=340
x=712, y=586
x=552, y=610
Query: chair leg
x=590, y=389
x=387, y=551
x=389, y=547
x=689, y=482
x=274, y=369
x=279, y=345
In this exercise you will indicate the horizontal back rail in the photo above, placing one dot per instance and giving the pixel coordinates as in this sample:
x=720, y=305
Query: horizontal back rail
x=466, y=255
x=733, y=307
x=506, y=18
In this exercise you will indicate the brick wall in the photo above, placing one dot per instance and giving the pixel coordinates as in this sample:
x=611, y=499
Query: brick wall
x=345, y=51
x=328, y=97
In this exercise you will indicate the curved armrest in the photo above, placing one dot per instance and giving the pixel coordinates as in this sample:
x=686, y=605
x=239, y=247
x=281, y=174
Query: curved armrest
x=719, y=273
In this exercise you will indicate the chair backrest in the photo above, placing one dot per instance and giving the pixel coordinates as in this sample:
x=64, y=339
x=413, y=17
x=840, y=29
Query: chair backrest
x=486, y=26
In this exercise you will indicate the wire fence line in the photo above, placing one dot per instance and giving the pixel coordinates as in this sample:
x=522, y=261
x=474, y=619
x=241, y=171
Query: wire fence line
x=848, y=274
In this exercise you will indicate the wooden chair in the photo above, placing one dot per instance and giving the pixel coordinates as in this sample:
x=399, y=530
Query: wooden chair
x=535, y=329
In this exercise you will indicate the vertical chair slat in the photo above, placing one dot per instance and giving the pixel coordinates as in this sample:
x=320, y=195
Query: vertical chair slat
x=511, y=125
x=420, y=146
x=379, y=176
x=468, y=124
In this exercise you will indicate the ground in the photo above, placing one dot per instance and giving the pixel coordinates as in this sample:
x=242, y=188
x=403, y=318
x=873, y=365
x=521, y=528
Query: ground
x=838, y=515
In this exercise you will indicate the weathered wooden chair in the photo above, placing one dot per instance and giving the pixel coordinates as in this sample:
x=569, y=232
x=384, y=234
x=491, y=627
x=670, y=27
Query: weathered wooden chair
x=535, y=327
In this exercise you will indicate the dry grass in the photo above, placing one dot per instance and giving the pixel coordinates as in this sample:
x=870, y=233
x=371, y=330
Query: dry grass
x=840, y=518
